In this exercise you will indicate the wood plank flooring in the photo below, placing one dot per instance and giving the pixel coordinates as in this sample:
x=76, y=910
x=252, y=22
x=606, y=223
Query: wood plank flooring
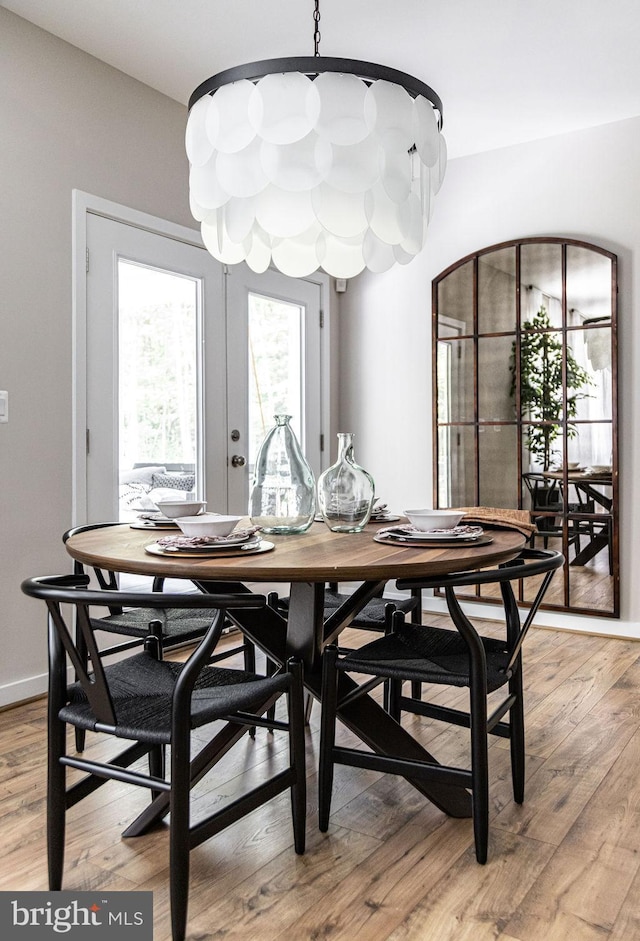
x=563, y=867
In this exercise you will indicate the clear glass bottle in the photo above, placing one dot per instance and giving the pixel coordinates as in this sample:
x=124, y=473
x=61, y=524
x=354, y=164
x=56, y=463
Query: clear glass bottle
x=346, y=492
x=283, y=489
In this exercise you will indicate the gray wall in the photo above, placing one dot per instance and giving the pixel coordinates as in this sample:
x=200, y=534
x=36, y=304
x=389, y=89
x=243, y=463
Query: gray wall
x=66, y=121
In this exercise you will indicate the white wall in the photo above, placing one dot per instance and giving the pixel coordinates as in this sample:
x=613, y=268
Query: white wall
x=583, y=185
x=66, y=121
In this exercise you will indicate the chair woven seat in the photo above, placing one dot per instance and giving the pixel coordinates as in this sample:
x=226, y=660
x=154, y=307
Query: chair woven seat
x=177, y=625
x=427, y=655
x=372, y=616
x=142, y=689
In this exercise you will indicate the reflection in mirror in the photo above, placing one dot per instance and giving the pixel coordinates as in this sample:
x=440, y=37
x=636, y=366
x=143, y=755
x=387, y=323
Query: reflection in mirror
x=497, y=291
x=455, y=299
x=495, y=402
x=455, y=378
x=541, y=279
x=456, y=471
x=498, y=447
x=591, y=350
x=588, y=284
x=525, y=402
x=556, y=589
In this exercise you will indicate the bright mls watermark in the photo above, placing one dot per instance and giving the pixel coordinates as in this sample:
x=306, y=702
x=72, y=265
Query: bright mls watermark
x=31, y=916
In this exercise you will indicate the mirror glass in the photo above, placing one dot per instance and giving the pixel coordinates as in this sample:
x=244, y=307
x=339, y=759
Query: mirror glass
x=525, y=402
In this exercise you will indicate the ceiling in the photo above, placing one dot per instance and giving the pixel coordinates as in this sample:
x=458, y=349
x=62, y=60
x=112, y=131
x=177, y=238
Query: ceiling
x=507, y=71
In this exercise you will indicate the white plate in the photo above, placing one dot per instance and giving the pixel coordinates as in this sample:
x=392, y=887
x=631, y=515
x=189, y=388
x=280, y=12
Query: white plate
x=247, y=548
x=220, y=544
x=409, y=534
x=155, y=524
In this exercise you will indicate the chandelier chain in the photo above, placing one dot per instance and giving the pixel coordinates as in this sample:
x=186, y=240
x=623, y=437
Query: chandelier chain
x=316, y=33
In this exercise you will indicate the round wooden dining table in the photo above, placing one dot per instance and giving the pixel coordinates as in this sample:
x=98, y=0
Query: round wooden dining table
x=306, y=562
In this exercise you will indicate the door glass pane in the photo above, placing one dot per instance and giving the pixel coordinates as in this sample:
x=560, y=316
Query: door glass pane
x=157, y=385
x=276, y=383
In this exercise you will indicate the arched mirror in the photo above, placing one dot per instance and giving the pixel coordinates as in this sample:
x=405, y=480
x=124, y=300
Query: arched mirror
x=525, y=391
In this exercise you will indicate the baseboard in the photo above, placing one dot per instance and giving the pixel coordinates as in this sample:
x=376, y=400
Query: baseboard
x=13, y=693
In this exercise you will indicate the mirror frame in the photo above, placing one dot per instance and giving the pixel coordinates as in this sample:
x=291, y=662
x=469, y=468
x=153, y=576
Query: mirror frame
x=475, y=423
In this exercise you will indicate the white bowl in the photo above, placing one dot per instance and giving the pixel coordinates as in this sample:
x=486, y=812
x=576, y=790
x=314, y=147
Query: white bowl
x=425, y=519
x=207, y=524
x=601, y=468
x=573, y=465
x=174, y=508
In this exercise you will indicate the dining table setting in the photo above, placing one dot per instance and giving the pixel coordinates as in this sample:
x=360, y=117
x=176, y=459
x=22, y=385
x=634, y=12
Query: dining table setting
x=235, y=552
x=305, y=534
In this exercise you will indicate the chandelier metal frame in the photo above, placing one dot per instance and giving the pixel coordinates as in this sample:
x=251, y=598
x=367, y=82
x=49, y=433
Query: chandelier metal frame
x=314, y=66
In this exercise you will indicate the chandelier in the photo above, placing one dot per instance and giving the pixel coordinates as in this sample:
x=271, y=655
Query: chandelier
x=314, y=162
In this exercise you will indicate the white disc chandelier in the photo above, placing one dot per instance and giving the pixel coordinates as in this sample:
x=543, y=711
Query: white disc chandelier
x=308, y=163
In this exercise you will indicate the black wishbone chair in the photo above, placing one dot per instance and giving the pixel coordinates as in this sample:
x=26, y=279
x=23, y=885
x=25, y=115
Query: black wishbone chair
x=154, y=703
x=173, y=626
x=451, y=657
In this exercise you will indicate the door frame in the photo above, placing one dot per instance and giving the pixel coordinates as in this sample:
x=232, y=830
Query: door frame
x=84, y=204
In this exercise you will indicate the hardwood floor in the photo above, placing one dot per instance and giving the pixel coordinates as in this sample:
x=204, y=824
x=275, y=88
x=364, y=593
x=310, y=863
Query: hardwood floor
x=563, y=867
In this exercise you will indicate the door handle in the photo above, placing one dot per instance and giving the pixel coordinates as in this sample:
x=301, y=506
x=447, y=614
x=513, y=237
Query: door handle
x=238, y=460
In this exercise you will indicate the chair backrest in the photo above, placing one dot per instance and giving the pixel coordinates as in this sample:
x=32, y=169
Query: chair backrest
x=545, y=493
x=58, y=590
x=105, y=578
x=529, y=563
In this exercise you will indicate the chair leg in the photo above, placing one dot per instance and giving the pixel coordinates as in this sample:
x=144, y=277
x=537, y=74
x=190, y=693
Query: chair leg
x=56, y=802
x=393, y=692
x=479, y=771
x=416, y=618
x=179, y=836
x=270, y=669
x=516, y=737
x=249, y=656
x=157, y=765
x=80, y=734
x=327, y=735
x=295, y=700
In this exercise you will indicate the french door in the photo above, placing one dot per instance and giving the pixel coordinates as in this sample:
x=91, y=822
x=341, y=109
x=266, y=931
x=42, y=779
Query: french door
x=274, y=355
x=186, y=364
